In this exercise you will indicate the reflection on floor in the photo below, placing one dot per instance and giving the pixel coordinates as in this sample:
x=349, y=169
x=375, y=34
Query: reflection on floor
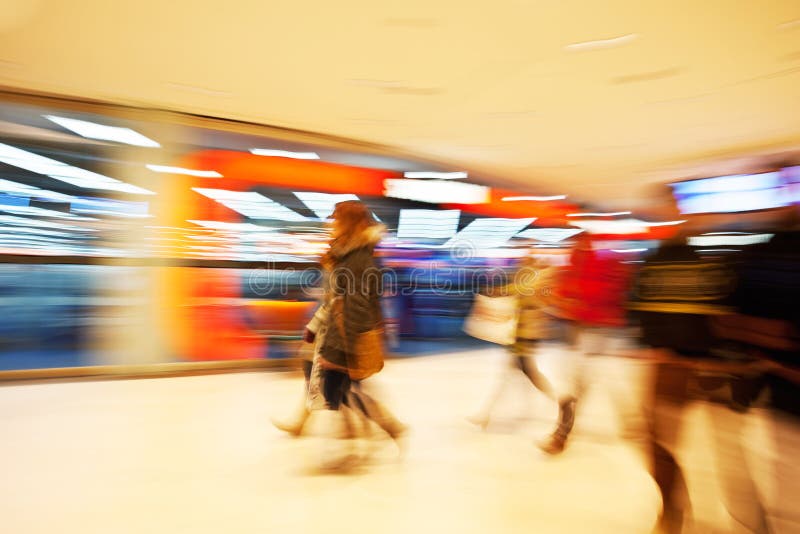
x=198, y=454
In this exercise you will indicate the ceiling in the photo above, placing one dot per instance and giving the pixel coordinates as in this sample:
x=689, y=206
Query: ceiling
x=674, y=88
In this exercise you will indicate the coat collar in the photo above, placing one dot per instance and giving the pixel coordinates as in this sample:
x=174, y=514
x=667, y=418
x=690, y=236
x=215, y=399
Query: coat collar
x=369, y=237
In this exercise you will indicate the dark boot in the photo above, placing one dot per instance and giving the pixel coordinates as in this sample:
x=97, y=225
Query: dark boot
x=556, y=442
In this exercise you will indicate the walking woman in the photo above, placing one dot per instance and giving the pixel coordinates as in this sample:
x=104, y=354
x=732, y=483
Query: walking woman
x=532, y=284
x=350, y=313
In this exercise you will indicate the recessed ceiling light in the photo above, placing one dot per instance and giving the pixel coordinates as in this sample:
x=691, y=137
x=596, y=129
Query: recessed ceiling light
x=621, y=226
x=283, y=153
x=181, y=170
x=590, y=214
x=436, y=175
x=436, y=191
x=538, y=199
x=665, y=223
x=102, y=132
x=717, y=240
x=601, y=44
x=628, y=250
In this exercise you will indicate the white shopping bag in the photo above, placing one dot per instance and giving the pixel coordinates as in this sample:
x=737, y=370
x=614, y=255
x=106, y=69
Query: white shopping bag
x=493, y=319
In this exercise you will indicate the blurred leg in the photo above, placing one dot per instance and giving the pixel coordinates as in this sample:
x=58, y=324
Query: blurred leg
x=295, y=425
x=741, y=496
x=376, y=412
x=483, y=416
x=669, y=399
x=785, y=435
x=526, y=362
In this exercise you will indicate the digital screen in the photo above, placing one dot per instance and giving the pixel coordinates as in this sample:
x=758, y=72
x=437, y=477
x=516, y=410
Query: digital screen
x=791, y=180
x=734, y=193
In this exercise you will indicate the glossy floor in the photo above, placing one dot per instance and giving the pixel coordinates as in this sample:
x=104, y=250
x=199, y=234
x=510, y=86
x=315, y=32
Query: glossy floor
x=198, y=454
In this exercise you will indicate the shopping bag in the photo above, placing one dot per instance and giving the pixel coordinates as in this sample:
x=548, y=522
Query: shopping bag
x=493, y=319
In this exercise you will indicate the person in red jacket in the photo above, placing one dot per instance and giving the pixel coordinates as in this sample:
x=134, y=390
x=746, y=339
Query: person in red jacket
x=595, y=286
x=592, y=297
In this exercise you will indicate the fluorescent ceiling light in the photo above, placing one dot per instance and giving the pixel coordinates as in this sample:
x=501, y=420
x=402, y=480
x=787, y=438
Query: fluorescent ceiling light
x=28, y=210
x=428, y=224
x=106, y=206
x=251, y=204
x=283, y=153
x=665, y=223
x=14, y=188
x=102, y=132
x=628, y=250
x=621, y=226
x=728, y=233
x=181, y=170
x=322, y=204
x=602, y=43
x=41, y=212
x=611, y=227
x=488, y=233
x=25, y=221
x=590, y=214
x=35, y=231
x=717, y=240
x=63, y=172
x=720, y=250
x=549, y=235
x=34, y=239
x=538, y=199
x=436, y=175
x=436, y=191
x=233, y=227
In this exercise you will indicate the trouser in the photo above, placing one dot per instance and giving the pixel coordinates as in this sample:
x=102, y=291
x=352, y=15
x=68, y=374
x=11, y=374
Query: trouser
x=338, y=389
x=335, y=385
x=599, y=353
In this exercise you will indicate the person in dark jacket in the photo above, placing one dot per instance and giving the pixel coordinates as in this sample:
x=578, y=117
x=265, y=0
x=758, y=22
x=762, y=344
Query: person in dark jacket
x=677, y=297
x=351, y=307
x=767, y=325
